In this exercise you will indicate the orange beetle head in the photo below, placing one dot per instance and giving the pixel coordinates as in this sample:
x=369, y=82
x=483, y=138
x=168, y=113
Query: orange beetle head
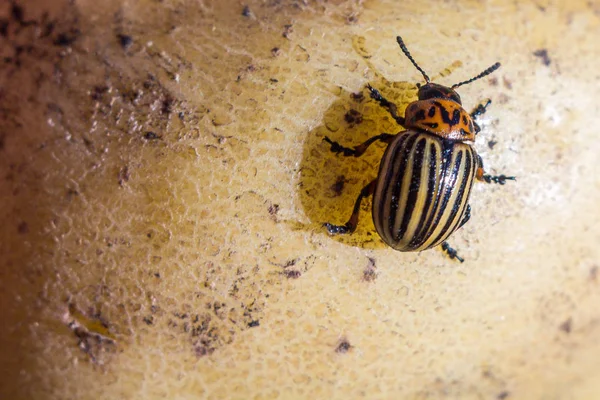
x=435, y=91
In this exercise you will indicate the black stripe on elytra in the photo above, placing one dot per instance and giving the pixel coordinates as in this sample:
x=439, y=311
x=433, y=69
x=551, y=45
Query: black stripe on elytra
x=461, y=193
x=431, y=191
x=446, y=115
x=464, y=119
x=447, y=181
x=446, y=157
x=393, y=181
x=415, y=183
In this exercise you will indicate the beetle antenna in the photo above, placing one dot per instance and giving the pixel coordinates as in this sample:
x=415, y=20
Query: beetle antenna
x=412, y=60
x=481, y=75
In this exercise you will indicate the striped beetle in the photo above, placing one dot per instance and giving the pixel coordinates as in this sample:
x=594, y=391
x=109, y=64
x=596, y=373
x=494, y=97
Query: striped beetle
x=421, y=194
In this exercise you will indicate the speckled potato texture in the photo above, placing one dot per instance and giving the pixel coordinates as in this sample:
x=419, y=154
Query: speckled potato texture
x=164, y=181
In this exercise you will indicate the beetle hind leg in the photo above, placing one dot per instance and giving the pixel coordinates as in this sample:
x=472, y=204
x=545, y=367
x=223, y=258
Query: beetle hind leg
x=359, y=150
x=350, y=226
x=499, y=179
x=451, y=252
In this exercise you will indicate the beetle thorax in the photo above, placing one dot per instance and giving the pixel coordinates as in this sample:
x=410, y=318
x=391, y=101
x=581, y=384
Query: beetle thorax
x=442, y=117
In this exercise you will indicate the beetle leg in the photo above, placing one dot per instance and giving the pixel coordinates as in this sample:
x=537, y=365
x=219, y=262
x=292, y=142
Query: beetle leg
x=499, y=179
x=466, y=217
x=451, y=252
x=479, y=110
x=350, y=226
x=388, y=105
x=358, y=151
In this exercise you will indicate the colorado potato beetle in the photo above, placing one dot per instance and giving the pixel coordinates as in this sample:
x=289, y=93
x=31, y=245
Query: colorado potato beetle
x=421, y=194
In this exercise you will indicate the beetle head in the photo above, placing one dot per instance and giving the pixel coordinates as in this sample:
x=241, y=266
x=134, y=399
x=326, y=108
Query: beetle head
x=435, y=91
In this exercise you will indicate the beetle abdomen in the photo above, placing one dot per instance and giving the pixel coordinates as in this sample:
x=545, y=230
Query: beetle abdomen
x=422, y=190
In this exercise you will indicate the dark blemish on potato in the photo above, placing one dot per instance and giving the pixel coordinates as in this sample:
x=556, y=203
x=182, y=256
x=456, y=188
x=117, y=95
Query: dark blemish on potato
x=370, y=272
x=292, y=274
x=338, y=186
x=566, y=326
x=273, y=210
x=123, y=175
x=594, y=273
x=275, y=51
x=125, y=41
x=167, y=105
x=542, y=54
x=358, y=97
x=491, y=144
x=23, y=228
x=287, y=30
x=151, y=136
x=343, y=346
x=353, y=117
x=4, y=28
x=65, y=39
x=98, y=92
x=246, y=12
x=503, y=395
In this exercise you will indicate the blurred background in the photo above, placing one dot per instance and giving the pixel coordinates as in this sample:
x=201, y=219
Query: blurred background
x=163, y=185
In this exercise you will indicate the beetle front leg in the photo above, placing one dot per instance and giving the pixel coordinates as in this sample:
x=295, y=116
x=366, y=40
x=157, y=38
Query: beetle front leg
x=499, y=179
x=359, y=150
x=388, y=105
x=350, y=226
x=479, y=110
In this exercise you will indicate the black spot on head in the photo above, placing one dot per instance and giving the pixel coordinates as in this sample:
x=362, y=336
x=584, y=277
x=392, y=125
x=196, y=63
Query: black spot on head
x=455, y=117
x=432, y=125
x=431, y=112
x=463, y=132
x=464, y=120
x=420, y=115
x=446, y=115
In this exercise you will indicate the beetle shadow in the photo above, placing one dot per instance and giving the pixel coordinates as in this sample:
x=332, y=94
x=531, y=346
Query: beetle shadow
x=329, y=183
